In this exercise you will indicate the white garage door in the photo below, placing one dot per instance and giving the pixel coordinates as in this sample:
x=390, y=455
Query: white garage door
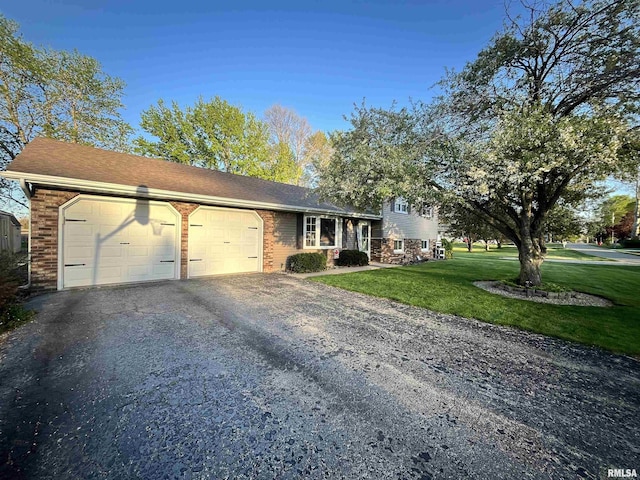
x=107, y=240
x=224, y=241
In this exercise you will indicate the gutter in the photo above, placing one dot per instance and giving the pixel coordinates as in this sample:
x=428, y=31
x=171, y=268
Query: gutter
x=154, y=193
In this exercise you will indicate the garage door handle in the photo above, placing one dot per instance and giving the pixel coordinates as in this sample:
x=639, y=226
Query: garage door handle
x=124, y=243
x=195, y=260
x=169, y=224
x=73, y=220
x=252, y=228
x=252, y=257
x=166, y=261
x=74, y=264
x=194, y=225
x=227, y=242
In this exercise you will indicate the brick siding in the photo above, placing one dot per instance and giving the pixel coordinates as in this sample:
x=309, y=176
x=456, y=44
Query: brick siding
x=268, y=239
x=45, y=204
x=185, y=210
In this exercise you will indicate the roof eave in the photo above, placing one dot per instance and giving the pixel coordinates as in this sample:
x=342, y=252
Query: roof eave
x=133, y=191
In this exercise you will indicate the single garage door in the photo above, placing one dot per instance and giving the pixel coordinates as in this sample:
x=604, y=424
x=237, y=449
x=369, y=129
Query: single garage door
x=223, y=240
x=113, y=240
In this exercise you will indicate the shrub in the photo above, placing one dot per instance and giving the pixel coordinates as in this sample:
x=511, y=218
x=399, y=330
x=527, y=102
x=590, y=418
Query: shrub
x=352, y=258
x=306, y=262
x=448, y=248
x=12, y=268
x=631, y=243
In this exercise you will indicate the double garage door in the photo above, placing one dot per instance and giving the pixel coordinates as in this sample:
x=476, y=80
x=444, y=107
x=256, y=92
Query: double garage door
x=114, y=240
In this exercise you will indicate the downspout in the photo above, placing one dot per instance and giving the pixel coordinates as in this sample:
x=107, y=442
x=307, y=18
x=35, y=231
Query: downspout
x=28, y=190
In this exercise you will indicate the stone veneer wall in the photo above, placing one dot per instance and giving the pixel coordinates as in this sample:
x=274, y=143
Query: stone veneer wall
x=45, y=205
x=382, y=250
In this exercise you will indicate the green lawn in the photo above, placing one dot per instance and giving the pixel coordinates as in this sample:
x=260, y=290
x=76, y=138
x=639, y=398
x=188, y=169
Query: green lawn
x=554, y=252
x=448, y=287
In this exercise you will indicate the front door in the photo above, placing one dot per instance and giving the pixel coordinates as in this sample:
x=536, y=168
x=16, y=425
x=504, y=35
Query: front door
x=364, y=237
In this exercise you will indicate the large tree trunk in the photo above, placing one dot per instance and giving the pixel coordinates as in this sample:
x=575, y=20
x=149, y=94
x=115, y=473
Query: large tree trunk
x=531, y=257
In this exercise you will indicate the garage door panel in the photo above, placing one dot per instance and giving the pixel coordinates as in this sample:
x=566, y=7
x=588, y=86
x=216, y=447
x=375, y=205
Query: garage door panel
x=224, y=239
x=118, y=240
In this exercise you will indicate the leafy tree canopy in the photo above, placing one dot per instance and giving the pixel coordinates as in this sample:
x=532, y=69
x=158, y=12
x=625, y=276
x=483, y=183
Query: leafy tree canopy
x=538, y=118
x=58, y=94
x=215, y=134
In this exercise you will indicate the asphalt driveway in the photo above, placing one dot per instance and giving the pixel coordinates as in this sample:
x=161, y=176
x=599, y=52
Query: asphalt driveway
x=268, y=376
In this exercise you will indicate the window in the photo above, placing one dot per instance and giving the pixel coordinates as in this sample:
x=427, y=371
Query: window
x=321, y=232
x=427, y=212
x=398, y=246
x=327, y=232
x=310, y=232
x=425, y=245
x=400, y=205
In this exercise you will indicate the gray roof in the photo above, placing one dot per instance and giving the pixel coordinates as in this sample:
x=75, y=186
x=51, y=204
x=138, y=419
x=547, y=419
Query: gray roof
x=12, y=217
x=54, y=158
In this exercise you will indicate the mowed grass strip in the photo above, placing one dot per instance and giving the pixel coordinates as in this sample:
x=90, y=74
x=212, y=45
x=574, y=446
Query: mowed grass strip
x=554, y=252
x=447, y=287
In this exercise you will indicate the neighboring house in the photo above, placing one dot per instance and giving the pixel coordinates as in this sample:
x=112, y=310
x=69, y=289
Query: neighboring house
x=100, y=217
x=405, y=233
x=10, y=237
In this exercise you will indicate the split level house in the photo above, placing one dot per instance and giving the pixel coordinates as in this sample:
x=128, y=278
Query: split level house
x=99, y=217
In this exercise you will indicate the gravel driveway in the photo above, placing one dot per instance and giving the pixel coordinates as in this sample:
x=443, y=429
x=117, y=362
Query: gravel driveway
x=268, y=376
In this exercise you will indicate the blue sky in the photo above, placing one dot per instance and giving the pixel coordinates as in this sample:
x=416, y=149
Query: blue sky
x=318, y=57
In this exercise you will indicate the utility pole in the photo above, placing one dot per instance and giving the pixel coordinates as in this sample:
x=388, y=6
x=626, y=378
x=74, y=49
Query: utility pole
x=634, y=228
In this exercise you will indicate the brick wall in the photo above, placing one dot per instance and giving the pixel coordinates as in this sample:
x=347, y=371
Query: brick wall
x=185, y=210
x=44, y=236
x=268, y=239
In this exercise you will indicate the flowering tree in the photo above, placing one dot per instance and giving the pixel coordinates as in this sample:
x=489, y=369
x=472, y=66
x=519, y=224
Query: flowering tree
x=537, y=118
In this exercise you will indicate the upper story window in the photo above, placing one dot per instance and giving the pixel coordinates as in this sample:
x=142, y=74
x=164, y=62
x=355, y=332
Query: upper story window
x=427, y=212
x=320, y=232
x=400, y=205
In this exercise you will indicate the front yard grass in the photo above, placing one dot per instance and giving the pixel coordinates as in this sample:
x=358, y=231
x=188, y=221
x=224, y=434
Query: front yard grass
x=554, y=252
x=447, y=287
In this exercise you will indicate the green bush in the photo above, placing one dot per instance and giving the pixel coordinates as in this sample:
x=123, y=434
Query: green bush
x=631, y=243
x=352, y=258
x=306, y=262
x=448, y=248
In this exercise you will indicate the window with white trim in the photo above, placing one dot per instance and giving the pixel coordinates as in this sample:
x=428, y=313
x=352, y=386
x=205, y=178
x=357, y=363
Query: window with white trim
x=427, y=212
x=400, y=205
x=425, y=245
x=321, y=232
x=398, y=246
x=310, y=232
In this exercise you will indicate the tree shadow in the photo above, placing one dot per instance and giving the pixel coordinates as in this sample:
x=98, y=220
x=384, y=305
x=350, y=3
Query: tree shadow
x=140, y=215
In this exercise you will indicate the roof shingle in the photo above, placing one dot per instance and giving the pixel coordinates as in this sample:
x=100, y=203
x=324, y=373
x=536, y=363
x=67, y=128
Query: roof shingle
x=44, y=156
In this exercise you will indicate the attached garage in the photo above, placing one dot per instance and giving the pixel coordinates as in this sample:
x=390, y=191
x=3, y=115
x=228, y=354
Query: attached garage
x=107, y=240
x=224, y=240
x=100, y=217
